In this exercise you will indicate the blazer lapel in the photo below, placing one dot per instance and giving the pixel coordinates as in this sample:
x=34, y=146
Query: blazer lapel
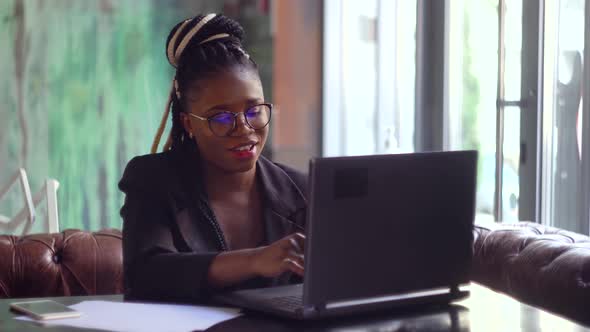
x=190, y=218
x=284, y=208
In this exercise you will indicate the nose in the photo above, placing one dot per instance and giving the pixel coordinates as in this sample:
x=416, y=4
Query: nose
x=242, y=127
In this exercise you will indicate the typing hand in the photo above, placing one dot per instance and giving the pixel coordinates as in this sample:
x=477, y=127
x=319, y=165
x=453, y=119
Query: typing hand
x=281, y=256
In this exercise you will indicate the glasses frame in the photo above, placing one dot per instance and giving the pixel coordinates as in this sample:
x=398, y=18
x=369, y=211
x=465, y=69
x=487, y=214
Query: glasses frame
x=235, y=115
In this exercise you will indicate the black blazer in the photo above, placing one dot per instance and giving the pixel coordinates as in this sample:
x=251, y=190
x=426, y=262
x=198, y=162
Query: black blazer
x=170, y=235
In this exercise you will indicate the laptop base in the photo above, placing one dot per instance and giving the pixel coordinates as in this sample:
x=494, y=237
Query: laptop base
x=265, y=300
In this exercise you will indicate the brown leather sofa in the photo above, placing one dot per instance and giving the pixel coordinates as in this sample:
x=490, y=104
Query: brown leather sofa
x=72, y=262
x=543, y=266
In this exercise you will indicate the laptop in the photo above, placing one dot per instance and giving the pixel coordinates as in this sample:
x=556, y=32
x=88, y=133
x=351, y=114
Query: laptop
x=383, y=231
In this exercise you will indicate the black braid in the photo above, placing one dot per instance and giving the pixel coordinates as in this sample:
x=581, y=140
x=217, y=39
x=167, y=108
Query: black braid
x=200, y=61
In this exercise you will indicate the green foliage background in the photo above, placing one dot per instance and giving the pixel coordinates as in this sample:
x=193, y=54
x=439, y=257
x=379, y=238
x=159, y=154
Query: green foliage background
x=95, y=80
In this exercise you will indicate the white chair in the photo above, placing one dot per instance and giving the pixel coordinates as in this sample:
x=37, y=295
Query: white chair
x=27, y=213
x=49, y=193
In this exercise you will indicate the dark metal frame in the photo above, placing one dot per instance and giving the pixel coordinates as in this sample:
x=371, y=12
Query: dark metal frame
x=235, y=115
x=431, y=58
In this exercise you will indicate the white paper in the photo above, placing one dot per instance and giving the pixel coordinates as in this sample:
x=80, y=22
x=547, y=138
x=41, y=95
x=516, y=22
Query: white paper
x=144, y=317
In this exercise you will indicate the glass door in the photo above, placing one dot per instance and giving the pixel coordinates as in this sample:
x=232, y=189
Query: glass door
x=484, y=98
x=563, y=194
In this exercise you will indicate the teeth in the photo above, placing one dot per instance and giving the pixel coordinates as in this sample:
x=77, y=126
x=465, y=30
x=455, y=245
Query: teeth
x=244, y=148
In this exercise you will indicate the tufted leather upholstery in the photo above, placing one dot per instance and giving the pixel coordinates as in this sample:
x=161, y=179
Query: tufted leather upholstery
x=543, y=266
x=72, y=262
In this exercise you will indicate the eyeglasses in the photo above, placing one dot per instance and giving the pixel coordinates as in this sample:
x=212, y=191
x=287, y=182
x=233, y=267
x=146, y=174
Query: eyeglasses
x=224, y=123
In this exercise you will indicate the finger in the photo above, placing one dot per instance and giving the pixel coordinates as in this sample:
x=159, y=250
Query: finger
x=295, y=246
x=297, y=258
x=293, y=266
x=292, y=241
x=300, y=238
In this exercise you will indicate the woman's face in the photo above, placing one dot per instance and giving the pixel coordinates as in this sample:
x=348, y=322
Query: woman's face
x=233, y=90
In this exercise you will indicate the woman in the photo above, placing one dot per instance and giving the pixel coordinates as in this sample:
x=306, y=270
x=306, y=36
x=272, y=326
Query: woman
x=209, y=212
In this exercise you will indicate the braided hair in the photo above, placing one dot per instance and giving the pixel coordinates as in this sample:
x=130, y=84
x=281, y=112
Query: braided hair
x=198, y=48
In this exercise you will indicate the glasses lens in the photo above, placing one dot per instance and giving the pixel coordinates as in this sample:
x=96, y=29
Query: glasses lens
x=258, y=116
x=221, y=123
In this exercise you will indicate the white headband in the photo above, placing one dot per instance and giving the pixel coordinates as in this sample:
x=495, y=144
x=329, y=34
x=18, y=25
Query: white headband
x=217, y=36
x=223, y=35
x=170, y=51
x=173, y=56
x=190, y=35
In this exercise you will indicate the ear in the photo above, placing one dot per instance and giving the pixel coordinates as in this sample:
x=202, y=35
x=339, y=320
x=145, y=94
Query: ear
x=186, y=123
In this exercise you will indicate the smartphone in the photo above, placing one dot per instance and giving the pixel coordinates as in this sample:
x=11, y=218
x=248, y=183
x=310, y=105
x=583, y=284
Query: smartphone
x=44, y=309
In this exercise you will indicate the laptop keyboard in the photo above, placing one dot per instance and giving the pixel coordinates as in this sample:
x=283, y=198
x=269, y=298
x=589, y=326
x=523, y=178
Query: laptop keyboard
x=291, y=302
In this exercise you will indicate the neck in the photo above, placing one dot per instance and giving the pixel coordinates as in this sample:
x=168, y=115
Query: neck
x=220, y=182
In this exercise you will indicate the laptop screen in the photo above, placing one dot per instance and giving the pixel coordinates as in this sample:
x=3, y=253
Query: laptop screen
x=389, y=224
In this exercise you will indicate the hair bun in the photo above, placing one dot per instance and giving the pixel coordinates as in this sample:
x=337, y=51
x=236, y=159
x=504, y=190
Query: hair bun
x=197, y=30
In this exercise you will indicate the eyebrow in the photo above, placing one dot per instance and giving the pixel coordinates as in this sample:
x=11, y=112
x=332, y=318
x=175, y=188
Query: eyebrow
x=249, y=102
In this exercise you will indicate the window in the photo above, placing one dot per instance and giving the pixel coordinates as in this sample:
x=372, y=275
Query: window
x=84, y=88
x=369, y=76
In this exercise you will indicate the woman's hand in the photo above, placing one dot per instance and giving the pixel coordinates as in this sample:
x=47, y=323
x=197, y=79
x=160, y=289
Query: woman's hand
x=231, y=267
x=281, y=256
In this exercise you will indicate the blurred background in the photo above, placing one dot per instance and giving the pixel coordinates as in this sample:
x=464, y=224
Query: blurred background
x=85, y=83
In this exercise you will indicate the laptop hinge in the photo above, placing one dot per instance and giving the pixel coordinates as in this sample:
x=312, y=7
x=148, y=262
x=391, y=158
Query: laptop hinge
x=308, y=311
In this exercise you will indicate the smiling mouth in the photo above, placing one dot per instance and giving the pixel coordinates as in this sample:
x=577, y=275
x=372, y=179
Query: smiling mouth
x=243, y=148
